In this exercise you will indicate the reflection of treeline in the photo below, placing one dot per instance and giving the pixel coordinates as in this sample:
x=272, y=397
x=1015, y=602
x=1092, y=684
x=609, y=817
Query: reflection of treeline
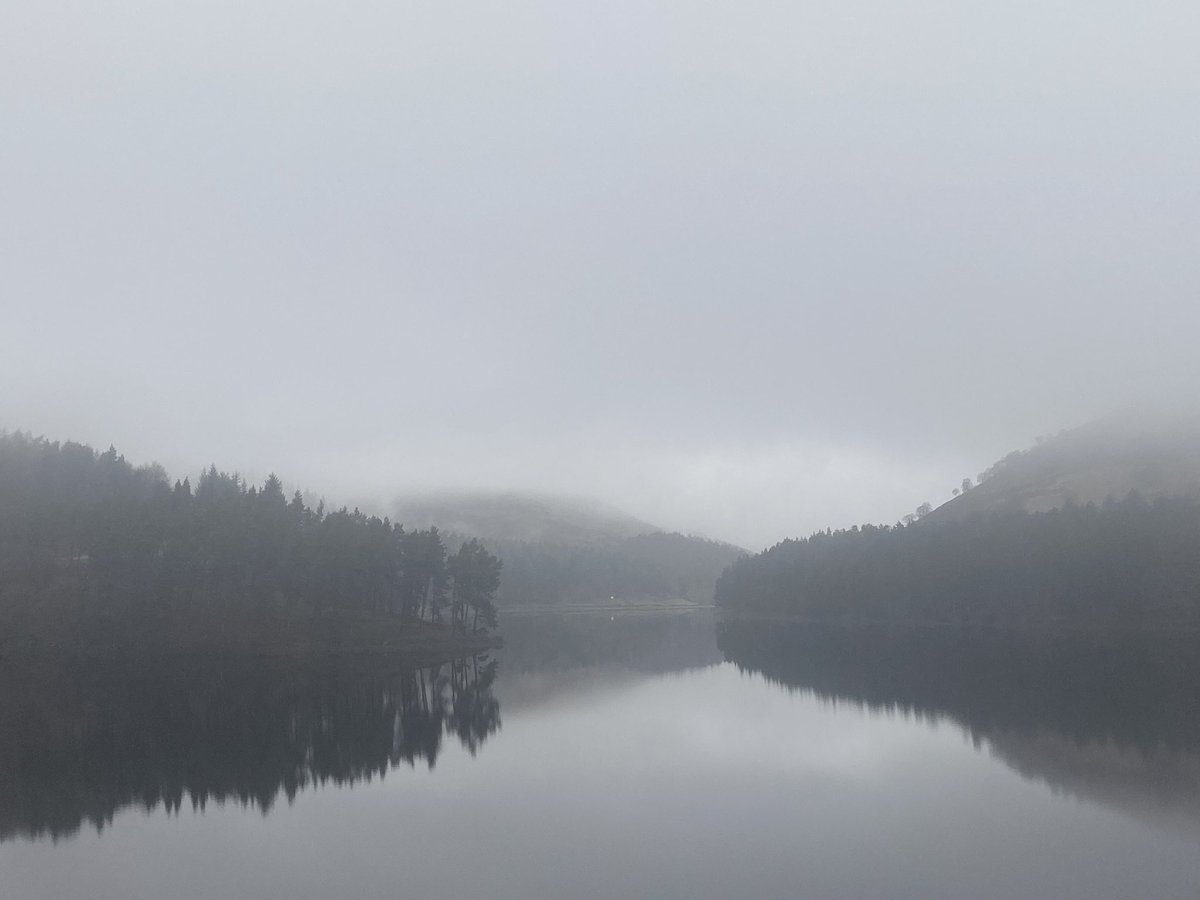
x=638, y=642
x=647, y=567
x=67, y=512
x=1119, y=565
x=1135, y=692
x=80, y=742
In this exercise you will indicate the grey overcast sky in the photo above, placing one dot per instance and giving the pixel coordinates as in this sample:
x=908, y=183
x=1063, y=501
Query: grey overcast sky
x=743, y=268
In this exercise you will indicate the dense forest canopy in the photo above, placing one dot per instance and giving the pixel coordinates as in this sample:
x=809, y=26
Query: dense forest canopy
x=131, y=537
x=1131, y=563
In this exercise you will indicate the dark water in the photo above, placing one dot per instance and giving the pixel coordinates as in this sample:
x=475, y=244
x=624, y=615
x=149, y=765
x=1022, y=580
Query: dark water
x=640, y=756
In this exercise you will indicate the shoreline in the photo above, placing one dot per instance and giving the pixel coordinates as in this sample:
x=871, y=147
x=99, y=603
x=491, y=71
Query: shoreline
x=665, y=606
x=189, y=636
x=1055, y=629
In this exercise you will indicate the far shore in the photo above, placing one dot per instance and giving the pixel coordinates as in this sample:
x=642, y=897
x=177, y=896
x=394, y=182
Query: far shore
x=605, y=606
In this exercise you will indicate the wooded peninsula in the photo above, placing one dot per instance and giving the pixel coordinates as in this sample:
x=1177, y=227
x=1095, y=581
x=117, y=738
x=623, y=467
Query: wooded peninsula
x=96, y=551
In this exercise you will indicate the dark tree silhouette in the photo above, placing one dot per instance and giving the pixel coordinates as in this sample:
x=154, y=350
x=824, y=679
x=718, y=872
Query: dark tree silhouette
x=92, y=523
x=476, y=576
x=1118, y=565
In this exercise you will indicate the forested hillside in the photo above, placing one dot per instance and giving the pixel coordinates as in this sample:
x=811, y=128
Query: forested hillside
x=568, y=550
x=74, y=519
x=1131, y=563
x=646, y=568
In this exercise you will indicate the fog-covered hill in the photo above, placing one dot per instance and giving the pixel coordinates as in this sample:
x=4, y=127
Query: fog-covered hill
x=566, y=550
x=646, y=568
x=1096, y=528
x=514, y=516
x=1155, y=454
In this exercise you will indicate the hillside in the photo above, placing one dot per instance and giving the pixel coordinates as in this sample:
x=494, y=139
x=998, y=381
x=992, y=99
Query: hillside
x=647, y=568
x=1098, y=527
x=565, y=550
x=1151, y=453
x=518, y=517
x=1129, y=564
x=97, y=553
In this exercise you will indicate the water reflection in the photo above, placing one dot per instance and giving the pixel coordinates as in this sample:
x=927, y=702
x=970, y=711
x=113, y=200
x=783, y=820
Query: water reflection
x=80, y=740
x=632, y=764
x=568, y=658
x=1113, y=720
x=643, y=642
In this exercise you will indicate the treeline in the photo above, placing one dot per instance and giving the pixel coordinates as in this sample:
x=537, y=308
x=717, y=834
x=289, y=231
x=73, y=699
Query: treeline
x=646, y=568
x=70, y=514
x=1117, y=565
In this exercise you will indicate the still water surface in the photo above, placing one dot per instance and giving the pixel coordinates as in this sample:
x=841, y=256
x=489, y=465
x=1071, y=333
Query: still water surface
x=636, y=757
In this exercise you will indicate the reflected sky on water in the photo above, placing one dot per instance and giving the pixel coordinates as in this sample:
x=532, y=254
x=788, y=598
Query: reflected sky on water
x=621, y=776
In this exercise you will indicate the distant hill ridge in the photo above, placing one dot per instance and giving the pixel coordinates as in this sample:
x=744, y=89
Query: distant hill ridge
x=1095, y=529
x=568, y=550
x=511, y=515
x=1154, y=454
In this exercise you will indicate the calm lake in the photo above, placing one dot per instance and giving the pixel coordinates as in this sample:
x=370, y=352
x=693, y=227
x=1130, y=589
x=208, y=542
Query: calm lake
x=656, y=756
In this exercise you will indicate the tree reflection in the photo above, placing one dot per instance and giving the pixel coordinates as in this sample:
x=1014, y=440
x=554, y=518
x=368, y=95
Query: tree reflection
x=81, y=740
x=650, y=642
x=1110, y=718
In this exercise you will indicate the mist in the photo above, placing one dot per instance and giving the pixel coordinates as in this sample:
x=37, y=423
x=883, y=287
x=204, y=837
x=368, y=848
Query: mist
x=741, y=270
